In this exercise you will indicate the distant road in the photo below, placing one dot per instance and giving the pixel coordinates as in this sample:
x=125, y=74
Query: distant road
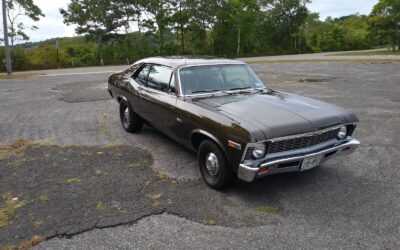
x=317, y=57
x=327, y=56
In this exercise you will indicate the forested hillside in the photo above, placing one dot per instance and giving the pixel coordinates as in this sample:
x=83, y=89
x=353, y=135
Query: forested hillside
x=224, y=28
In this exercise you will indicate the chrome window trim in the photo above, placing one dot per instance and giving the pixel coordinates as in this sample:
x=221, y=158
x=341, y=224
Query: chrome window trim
x=252, y=144
x=211, y=93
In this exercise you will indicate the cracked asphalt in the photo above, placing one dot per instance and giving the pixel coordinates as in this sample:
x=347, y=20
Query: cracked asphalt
x=347, y=203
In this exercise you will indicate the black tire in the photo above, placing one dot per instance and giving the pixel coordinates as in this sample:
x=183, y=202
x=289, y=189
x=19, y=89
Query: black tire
x=216, y=179
x=131, y=121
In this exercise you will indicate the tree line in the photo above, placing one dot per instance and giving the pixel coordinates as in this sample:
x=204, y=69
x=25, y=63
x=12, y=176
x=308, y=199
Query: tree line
x=122, y=31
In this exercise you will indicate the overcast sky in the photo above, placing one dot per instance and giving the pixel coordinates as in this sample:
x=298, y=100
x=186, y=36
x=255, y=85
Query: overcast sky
x=52, y=25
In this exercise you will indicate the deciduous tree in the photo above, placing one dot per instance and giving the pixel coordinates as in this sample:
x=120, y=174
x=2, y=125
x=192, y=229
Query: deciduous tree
x=385, y=21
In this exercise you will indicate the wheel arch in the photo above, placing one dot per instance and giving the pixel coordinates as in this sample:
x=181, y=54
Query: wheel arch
x=199, y=135
x=121, y=97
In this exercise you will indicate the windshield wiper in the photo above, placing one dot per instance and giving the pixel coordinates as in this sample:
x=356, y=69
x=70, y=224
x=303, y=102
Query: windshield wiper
x=242, y=88
x=205, y=91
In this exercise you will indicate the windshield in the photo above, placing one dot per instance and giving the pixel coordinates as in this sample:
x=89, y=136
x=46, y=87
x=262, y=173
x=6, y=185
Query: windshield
x=215, y=78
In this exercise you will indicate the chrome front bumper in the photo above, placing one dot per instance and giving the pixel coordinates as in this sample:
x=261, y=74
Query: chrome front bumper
x=292, y=163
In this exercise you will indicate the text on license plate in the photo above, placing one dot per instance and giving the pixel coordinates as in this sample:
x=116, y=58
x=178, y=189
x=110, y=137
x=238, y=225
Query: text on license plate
x=311, y=162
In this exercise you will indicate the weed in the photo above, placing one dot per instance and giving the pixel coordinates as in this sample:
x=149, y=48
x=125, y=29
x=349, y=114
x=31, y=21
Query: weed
x=17, y=76
x=133, y=165
x=11, y=205
x=268, y=209
x=33, y=241
x=15, y=163
x=155, y=204
x=43, y=198
x=13, y=150
x=100, y=206
x=74, y=180
x=38, y=224
x=154, y=196
x=209, y=222
x=117, y=155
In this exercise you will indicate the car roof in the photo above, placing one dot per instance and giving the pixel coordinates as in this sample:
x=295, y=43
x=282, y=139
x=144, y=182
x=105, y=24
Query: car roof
x=181, y=61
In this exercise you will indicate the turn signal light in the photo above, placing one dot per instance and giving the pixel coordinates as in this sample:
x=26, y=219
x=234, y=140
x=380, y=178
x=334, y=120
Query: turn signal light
x=263, y=170
x=346, y=149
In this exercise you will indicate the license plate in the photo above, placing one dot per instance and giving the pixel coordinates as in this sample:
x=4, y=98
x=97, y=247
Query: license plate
x=311, y=162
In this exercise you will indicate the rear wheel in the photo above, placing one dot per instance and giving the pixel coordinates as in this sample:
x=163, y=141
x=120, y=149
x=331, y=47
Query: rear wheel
x=131, y=121
x=213, y=166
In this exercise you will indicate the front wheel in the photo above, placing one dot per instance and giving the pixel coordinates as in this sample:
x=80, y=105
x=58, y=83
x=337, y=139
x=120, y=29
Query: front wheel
x=213, y=166
x=131, y=121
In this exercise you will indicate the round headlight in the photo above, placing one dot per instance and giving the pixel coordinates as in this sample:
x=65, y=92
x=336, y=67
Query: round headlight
x=259, y=151
x=342, y=133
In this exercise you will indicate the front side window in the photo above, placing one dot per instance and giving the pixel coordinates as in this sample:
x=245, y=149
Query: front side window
x=159, y=78
x=215, y=78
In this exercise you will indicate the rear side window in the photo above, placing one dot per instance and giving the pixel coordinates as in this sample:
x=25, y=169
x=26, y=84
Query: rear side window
x=142, y=76
x=159, y=78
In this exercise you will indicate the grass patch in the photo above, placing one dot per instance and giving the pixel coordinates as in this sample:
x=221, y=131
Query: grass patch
x=161, y=175
x=267, y=209
x=11, y=205
x=209, y=222
x=38, y=224
x=358, y=61
x=112, y=145
x=133, y=165
x=13, y=150
x=368, y=53
x=117, y=155
x=43, y=198
x=15, y=163
x=100, y=206
x=73, y=180
x=35, y=240
x=18, y=76
x=154, y=196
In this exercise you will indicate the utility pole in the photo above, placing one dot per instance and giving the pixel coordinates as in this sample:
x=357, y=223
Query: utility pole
x=6, y=45
x=58, y=56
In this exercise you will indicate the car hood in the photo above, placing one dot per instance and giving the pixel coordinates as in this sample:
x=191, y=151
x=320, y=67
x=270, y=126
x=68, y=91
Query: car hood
x=278, y=114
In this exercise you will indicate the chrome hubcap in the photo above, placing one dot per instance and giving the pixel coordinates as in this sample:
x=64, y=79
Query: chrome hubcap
x=212, y=164
x=126, y=115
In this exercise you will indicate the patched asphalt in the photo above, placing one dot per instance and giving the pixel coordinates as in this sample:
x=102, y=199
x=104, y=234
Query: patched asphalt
x=350, y=202
x=67, y=190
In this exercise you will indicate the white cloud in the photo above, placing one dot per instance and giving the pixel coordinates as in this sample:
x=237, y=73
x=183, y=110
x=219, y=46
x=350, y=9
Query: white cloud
x=338, y=8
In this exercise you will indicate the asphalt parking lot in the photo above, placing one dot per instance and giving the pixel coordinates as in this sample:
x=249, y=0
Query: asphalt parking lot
x=70, y=174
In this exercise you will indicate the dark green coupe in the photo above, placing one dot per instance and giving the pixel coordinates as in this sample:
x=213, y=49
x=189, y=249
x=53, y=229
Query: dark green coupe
x=223, y=111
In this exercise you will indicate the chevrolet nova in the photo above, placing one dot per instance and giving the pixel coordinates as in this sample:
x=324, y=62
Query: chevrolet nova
x=223, y=111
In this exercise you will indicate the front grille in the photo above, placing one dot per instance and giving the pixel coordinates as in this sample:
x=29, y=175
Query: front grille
x=301, y=142
x=249, y=153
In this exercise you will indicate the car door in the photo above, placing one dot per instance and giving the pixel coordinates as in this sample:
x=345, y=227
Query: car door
x=141, y=77
x=158, y=102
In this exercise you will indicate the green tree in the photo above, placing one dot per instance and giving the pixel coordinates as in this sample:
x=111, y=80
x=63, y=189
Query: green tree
x=180, y=20
x=385, y=21
x=160, y=11
x=202, y=17
x=236, y=27
x=16, y=9
x=101, y=18
x=284, y=23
